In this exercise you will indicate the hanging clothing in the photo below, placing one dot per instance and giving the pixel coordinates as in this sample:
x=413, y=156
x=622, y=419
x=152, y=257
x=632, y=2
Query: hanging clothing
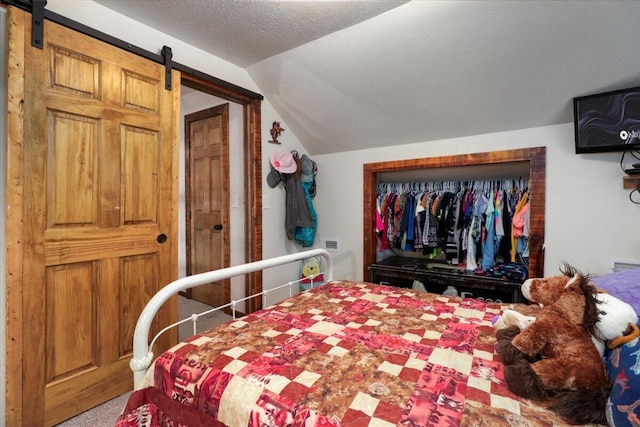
x=297, y=213
x=456, y=235
x=505, y=244
x=391, y=229
x=409, y=231
x=521, y=231
x=524, y=199
x=471, y=263
x=471, y=227
x=499, y=224
x=488, y=245
x=306, y=235
x=431, y=238
x=419, y=216
x=379, y=224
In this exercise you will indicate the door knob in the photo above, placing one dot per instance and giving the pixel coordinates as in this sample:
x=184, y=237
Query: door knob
x=217, y=227
x=162, y=238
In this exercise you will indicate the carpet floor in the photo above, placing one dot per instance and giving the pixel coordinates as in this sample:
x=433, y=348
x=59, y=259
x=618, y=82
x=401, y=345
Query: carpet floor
x=106, y=414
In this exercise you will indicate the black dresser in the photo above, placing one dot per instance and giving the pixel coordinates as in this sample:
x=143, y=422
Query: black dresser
x=437, y=276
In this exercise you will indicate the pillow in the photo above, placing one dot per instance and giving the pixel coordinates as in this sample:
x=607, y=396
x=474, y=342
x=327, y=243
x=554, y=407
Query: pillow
x=624, y=285
x=623, y=368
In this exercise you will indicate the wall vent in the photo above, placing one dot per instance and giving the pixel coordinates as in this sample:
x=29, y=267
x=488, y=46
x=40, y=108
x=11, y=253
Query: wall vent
x=618, y=264
x=332, y=245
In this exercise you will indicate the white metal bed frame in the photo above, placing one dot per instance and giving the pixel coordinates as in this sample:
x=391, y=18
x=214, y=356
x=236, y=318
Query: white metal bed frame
x=142, y=348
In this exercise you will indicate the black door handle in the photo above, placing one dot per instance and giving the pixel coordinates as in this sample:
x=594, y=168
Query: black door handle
x=162, y=238
x=217, y=227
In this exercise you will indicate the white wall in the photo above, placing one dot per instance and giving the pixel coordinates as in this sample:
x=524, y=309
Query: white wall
x=589, y=217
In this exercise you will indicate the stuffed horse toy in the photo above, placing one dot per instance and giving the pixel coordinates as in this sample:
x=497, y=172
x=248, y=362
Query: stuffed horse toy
x=617, y=324
x=554, y=356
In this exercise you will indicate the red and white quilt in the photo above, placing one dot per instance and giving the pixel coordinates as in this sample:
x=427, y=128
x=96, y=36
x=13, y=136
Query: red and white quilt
x=343, y=354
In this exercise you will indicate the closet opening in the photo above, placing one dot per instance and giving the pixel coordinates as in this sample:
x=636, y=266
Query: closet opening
x=438, y=246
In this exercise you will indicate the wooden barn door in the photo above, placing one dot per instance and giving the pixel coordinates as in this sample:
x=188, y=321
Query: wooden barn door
x=100, y=209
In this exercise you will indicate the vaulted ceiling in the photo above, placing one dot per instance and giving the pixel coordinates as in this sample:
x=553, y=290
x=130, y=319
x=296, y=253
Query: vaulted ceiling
x=346, y=75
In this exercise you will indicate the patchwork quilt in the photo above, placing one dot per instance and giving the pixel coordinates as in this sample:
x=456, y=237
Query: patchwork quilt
x=342, y=354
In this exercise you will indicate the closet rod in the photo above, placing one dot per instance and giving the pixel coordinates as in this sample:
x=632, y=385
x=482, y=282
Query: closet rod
x=506, y=183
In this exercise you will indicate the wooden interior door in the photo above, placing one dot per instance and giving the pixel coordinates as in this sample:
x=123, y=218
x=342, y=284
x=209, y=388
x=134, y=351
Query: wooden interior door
x=207, y=197
x=100, y=209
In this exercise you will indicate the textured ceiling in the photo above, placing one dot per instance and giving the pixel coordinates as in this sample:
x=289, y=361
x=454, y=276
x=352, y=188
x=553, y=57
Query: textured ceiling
x=352, y=75
x=247, y=31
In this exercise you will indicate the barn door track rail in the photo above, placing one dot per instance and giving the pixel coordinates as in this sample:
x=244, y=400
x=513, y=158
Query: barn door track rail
x=39, y=14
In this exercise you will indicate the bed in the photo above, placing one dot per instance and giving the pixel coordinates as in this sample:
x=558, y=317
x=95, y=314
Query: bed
x=340, y=354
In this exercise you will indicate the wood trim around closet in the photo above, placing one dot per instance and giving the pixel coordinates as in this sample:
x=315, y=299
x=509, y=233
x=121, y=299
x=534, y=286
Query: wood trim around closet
x=536, y=156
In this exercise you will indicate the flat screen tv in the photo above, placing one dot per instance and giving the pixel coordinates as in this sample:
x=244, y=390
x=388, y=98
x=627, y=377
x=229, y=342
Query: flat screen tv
x=608, y=121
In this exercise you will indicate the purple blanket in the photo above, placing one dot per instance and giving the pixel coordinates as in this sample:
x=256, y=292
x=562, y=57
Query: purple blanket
x=624, y=285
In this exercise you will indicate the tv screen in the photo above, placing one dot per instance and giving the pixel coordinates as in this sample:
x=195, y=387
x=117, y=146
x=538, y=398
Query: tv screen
x=607, y=121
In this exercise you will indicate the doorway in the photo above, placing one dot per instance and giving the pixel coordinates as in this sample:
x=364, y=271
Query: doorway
x=245, y=156
x=207, y=194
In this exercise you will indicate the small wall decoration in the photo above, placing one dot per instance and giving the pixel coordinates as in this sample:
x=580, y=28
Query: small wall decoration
x=276, y=130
